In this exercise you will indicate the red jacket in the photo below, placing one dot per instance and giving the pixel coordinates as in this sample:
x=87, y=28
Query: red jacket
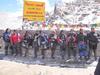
x=15, y=38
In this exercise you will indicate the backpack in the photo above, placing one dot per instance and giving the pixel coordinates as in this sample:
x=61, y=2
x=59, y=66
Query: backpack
x=83, y=53
x=82, y=49
x=82, y=46
x=43, y=39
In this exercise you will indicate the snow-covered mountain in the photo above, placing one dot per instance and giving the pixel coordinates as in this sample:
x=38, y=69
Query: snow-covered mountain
x=77, y=11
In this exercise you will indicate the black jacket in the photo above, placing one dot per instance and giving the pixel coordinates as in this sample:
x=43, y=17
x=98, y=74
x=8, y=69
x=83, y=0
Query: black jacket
x=92, y=38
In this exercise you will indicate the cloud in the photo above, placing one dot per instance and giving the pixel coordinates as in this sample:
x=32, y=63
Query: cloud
x=20, y=2
x=10, y=20
x=48, y=7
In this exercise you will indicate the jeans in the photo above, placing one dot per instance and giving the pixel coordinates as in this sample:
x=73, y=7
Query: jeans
x=71, y=51
x=7, y=46
x=63, y=52
x=14, y=49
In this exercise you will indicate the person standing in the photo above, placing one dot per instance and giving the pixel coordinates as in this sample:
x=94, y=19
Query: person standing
x=43, y=43
x=6, y=39
x=19, y=46
x=15, y=39
x=92, y=41
x=82, y=44
x=62, y=43
x=27, y=39
x=36, y=45
x=53, y=43
x=71, y=43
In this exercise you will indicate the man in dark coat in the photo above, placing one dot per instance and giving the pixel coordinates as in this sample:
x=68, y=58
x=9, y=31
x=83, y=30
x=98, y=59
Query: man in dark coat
x=6, y=39
x=93, y=41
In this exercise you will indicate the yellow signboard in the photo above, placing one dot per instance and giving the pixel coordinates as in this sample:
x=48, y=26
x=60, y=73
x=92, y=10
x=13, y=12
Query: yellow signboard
x=34, y=11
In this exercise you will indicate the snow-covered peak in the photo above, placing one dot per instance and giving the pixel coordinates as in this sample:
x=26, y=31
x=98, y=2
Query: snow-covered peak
x=69, y=1
x=77, y=11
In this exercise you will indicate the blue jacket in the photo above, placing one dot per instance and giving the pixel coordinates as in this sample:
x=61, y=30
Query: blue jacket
x=6, y=37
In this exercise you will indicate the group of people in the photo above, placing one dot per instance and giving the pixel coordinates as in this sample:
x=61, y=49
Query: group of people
x=69, y=43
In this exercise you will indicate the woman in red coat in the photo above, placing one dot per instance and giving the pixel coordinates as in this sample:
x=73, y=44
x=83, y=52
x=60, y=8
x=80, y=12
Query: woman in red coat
x=15, y=40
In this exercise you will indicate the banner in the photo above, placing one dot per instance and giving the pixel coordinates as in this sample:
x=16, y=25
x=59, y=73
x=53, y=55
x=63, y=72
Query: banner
x=34, y=11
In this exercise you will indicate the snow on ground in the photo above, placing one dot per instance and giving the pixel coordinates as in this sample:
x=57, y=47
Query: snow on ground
x=13, y=68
